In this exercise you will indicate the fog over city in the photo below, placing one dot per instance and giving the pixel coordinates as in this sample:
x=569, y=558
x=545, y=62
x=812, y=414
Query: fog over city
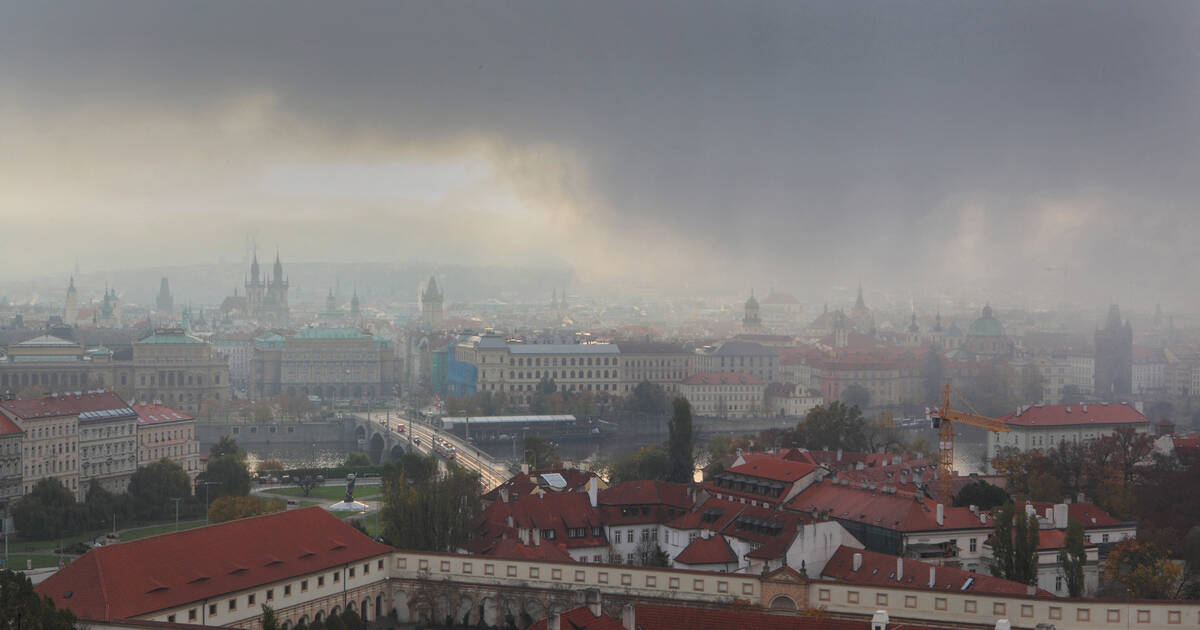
x=799, y=145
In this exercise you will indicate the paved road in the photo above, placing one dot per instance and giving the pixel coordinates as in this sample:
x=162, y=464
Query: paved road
x=491, y=472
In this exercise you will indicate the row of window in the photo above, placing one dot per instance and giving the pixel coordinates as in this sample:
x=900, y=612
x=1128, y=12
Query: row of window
x=231, y=605
x=52, y=379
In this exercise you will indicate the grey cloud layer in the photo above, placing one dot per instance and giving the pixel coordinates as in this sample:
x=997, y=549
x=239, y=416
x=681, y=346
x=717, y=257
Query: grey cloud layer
x=770, y=133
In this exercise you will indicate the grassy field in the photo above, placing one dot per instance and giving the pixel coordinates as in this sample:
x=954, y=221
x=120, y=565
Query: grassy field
x=146, y=532
x=332, y=493
x=40, y=561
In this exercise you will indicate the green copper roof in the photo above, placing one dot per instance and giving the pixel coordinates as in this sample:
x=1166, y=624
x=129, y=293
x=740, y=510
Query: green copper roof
x=171, y=337
x=986, y=326
x=330, y=333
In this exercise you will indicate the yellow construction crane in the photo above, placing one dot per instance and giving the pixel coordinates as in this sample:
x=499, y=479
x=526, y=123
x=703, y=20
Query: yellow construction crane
x=943, y=420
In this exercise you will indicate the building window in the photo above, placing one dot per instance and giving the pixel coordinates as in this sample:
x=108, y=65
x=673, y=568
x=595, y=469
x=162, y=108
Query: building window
x=973, y=545
x=337, y=577
x=351, y=571
x=320, y=581
x=250, y=599
x=270, y=594
x=192, y=615
x=287, y=590
x=212, y=610
x=233, y=604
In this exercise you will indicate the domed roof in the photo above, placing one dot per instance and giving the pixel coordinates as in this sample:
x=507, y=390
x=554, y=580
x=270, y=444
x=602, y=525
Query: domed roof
x=751, y=303
x=986, y=326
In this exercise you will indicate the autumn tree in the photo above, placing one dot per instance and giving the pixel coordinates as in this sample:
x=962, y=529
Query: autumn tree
x=981, y=494
x=434, y=514
x=833, y=427
x=1002, y=541
x=1014, y=549
x=1139, y=570
x=540, y=452
x=648, y=463
x=231, y=508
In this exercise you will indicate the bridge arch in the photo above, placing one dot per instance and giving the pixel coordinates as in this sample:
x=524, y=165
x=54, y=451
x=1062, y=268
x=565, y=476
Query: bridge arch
x=375, y=447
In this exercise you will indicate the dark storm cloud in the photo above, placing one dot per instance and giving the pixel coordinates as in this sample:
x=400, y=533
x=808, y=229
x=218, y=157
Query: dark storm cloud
x=881, y=139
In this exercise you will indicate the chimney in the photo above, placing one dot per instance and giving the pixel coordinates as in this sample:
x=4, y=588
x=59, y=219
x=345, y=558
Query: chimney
x=941, y=515
x=1060, y=515
x=903, y=477
x=1031, y=590
x=554, y=621
x=899, y=568
x=839, y=454
x=593, y=492
x=535, y=537
x=982, y=518
x=592, y=597
x=879, y=620
x=629, y=617
x=857, y=562
x=503, y=495
x=1002, y=624
x=932, y=575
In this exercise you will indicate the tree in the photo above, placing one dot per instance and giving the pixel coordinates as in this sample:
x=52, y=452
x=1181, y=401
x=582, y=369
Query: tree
x=650, y=554
x=271, y=466
x=226, y=446
x=231, y=508
x=351, y=620
x=981, y=494
x=1025, y=544
x=880, y=435
x=856, y=396
x=648, y=463
x=833, y=427
x=230, y=475
x=152, y=487
x=1002, y=542
x=356, y=459
x=306, y=479
x=1139, y=570
x=49, y=511
x=20, y=606
x=540, y=452
x=1073, y=557
x=648, y=398
x=269, y=620
x=102, y=505
x=436, y=514
x=263, y=413
x=679, y=443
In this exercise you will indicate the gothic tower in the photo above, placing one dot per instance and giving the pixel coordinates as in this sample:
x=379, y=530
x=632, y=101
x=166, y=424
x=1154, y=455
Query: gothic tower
x=71, y=312
x=164, y=303
x=1114, y=358
x=431, y=304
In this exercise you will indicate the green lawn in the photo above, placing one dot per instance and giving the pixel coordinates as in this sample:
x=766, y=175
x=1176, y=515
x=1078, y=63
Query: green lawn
x=40, y=561
x=372, y=523
x=158, y=529
x=331, y=493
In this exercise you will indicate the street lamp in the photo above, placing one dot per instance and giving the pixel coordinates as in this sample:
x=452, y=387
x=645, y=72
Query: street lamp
x=206, y=485
x=177, y=500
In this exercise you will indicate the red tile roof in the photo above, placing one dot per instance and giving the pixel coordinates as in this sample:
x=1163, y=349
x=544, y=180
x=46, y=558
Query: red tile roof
x=143, y=576
x=900, y=511
x=711, y=550
x=581, y=619
x=644, y=502
x=721, y=514
x=557, y=512
x=775, y=469
x=63, y=405
x=523, y=483
x=153, y=413
x=879, y=569
x=8, y=427
x=510, y=549
x=1088, y=514
x=1071, y=415
x=722, y=378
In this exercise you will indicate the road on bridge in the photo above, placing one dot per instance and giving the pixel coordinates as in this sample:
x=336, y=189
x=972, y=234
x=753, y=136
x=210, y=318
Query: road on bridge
x=491, y=472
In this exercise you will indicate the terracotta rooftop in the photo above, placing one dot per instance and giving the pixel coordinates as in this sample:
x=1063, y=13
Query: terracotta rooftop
x=152, y=413
x=711, y=550
x=142, y=576
x=1071, y=415
x=900, y=511
x=65, y=405
x=879, y=569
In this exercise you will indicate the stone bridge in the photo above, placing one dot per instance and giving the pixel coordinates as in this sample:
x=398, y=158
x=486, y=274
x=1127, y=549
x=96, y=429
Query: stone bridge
x=380, y=443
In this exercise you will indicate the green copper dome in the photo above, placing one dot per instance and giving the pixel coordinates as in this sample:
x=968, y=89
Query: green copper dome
x=986, y=326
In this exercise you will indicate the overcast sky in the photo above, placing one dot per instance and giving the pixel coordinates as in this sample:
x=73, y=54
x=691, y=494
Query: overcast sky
x=788, y=144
